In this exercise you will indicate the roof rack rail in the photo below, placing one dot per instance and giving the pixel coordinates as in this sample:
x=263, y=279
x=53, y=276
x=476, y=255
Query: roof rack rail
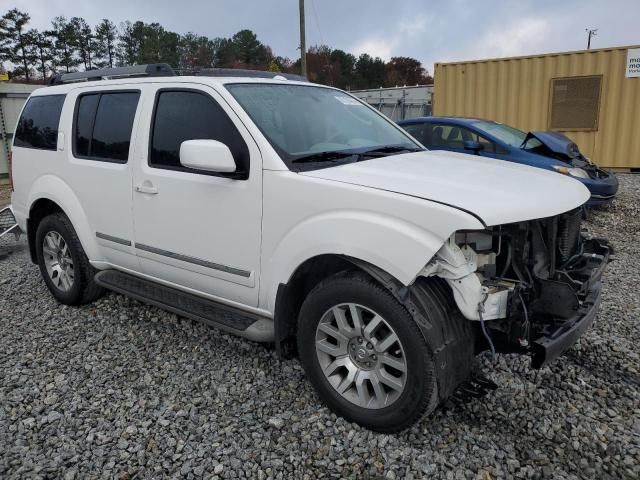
x=240, y=72
x=149, y=70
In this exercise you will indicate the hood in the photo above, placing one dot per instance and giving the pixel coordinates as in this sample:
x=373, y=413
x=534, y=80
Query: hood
x=496, y=191
x=557, y=143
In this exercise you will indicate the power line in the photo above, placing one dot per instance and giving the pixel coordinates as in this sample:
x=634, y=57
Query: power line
x=315, y=16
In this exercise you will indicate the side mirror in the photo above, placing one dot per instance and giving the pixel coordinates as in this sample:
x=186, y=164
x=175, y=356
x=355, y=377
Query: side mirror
x=208, y=155
x=472, y=145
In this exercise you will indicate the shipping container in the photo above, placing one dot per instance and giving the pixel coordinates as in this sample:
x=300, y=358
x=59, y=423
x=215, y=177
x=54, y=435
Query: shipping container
x=592, y=96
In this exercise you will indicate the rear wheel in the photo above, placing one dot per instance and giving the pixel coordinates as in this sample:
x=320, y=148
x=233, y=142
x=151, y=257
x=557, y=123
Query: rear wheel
x=365, y=355
x=64, y=266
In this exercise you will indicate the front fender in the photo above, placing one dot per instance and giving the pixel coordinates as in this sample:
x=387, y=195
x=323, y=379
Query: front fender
x=55, y=189
x=394, y=245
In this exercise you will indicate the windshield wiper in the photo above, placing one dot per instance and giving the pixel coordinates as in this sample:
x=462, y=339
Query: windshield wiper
x=381, y=151
x=323, y=157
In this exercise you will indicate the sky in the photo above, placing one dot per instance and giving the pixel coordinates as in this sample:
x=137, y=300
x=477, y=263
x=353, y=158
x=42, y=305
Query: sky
x=429, y=30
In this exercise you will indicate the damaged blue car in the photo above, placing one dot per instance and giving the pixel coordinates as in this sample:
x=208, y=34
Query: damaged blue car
x=548, y=150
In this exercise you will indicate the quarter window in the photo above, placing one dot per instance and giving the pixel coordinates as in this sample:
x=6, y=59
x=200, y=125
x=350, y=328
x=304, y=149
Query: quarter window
x=188, y=115
x=38, y=124
x=103, y=125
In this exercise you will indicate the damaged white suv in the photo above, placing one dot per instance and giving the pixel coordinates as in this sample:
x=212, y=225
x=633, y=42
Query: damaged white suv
x=293, y=213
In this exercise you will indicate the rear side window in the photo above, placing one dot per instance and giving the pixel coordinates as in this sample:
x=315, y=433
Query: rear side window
x=38, y=124
x=103, y=125
x=182, y=115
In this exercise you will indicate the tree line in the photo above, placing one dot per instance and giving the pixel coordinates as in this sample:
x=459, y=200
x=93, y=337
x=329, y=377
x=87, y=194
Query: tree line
x=71, y=44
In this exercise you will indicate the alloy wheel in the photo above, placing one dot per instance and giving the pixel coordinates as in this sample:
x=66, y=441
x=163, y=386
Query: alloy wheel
x=361, y=356
x=58, y=261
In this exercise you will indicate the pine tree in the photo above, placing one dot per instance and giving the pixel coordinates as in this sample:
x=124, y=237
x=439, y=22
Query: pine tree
x=14, y=41
x=83, y=40
x=64, y=44
x=106, y=34
x=130, y=43
x=42, y=51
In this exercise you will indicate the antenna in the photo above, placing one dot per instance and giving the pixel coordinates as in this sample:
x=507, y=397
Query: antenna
x=591, y=32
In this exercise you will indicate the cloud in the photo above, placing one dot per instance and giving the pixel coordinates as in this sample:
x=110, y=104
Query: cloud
x=375, y=47
x=514, y=39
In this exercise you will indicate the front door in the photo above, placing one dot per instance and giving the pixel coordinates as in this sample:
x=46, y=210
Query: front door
x=197, y=230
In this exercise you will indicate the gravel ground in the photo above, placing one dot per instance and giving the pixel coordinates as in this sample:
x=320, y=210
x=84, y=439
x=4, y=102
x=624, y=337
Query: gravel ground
x=121, y=390
x=5, y=193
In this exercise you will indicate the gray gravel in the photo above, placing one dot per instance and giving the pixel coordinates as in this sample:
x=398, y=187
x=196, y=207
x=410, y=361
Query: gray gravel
x=120, y=389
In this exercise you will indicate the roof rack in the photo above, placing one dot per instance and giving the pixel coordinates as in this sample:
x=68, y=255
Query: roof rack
x=239, y=72
x=149, y=70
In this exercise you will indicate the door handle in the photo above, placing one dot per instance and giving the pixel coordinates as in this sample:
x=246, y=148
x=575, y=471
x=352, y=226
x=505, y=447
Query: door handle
x=147, y=187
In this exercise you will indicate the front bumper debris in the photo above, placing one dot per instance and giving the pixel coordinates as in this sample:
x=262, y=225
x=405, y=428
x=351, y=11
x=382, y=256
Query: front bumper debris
x=549, y=347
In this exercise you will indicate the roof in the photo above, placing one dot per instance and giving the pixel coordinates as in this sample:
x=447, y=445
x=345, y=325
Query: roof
x=455, y=120
x=202, y=80
x=540, y=55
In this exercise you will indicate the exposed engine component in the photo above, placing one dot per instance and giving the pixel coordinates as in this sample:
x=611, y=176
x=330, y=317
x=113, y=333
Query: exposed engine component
x=532, y=281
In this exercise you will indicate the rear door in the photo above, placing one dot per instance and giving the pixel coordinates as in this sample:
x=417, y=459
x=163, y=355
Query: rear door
x=100, y=172
x=194, y=229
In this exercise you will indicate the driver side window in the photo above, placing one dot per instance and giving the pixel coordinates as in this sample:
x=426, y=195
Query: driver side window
x=454, y=136
x=182, y=115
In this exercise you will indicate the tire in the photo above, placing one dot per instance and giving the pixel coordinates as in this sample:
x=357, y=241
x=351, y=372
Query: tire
x=72, y=281
x=318, y=315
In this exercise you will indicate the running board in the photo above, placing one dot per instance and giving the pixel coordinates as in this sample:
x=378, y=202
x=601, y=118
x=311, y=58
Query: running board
x=232, y=320
x=8, y=223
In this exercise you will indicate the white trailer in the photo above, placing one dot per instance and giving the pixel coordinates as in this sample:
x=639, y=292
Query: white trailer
x=12, y=98
x=399, y=103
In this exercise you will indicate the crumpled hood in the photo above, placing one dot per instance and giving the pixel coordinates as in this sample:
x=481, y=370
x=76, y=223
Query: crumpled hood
x=558, y=143
x=496, y=191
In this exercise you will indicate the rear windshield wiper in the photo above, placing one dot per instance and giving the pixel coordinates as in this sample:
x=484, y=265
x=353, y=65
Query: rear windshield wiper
x=323, y=157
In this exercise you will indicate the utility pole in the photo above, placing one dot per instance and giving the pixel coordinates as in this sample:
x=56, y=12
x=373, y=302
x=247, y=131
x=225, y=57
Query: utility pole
x=591, y=32
x=303, y=45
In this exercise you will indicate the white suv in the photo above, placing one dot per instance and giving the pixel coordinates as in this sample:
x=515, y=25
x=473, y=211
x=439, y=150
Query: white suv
x=293, y=213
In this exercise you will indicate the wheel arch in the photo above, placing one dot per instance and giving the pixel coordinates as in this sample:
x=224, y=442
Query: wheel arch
x=50, y=194
x=291, y=294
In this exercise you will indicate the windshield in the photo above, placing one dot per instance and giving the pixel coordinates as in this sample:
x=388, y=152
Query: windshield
x=318, y=126
x=509, y=135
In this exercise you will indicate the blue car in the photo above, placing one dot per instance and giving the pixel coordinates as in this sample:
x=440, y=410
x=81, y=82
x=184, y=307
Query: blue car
x=548, y=150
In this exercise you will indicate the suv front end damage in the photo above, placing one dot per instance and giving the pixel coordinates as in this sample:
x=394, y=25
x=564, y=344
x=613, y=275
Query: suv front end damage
x=534, y=286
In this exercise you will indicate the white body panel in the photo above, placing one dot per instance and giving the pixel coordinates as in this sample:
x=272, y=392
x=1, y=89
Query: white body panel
x=213, y=220
x=497, y=192
x=393, y=212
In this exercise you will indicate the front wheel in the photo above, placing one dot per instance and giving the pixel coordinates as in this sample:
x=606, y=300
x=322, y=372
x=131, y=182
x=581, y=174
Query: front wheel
x=365, y=355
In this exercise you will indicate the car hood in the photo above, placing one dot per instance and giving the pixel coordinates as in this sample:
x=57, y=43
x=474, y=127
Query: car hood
x=557, y=143
x=495, y=191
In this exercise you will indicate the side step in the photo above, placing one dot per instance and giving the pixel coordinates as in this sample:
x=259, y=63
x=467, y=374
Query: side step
x=238, y=322
x=8, y=223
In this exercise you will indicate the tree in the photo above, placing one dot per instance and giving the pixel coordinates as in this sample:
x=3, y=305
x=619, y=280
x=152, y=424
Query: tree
x=65, y=43
x=368, y=72
x=197, y=52
x=248, y=51
x=130, y=43
x=15, y=41
x=83, y=40
x=105, y=36
x=159, y=45
x=404, y=71
x=42, y=51
x=344, y=68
